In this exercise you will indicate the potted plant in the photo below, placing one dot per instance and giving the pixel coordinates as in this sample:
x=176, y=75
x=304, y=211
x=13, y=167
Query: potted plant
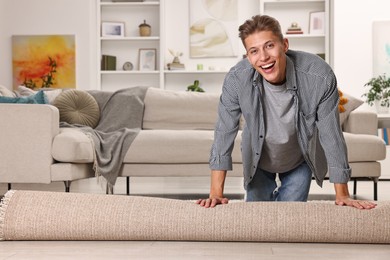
x=195, y=87
x=379, y=93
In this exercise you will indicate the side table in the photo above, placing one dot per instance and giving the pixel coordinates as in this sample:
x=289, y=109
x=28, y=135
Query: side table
x=384, y=122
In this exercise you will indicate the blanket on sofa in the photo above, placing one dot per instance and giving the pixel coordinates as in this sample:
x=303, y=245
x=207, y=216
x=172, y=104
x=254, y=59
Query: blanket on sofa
x=121, y=114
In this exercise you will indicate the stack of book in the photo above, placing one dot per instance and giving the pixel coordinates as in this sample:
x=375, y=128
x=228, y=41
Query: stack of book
x=176, y=66
x=294, y=29
x=108, y=62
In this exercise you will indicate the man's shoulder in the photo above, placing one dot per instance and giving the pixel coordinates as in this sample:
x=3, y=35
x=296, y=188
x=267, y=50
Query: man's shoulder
x=243, y=68
x=308, y=62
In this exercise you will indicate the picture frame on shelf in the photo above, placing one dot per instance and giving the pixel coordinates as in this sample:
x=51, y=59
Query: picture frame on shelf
x=113, y=29
x=317, y=23
x=147, y=59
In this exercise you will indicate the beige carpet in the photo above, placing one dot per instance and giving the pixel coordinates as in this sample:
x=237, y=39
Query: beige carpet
x=37, y=215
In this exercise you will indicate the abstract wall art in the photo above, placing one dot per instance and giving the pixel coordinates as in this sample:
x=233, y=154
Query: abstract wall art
x=44, y=61
x=213, y=28
x=381, y=48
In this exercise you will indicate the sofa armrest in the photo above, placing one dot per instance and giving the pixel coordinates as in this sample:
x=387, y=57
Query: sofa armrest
x=361, y=121
x=27, y=132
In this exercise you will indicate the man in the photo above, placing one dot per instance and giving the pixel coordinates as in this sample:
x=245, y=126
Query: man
x=289, y=101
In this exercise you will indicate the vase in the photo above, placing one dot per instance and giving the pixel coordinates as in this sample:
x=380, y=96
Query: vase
x=380, y=109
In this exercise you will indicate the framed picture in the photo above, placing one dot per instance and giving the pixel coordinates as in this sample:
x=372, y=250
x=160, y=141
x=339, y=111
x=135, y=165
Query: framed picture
x=317, y=23
x=147, y=59
x=113, y=29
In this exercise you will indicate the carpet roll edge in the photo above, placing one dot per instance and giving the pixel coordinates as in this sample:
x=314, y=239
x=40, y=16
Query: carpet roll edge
x=3, y=208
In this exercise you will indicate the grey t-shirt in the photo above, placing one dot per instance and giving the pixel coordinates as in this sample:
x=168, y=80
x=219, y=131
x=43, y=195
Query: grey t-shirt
x=281, y=151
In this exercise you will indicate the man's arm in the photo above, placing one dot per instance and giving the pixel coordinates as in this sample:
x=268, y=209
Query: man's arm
x=343, y=198
x=216, y=190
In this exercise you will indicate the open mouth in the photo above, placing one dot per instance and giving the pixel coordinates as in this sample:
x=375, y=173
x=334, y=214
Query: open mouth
x=268, y=67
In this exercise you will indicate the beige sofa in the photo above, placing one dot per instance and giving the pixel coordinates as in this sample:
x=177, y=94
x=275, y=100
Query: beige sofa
x=175, y=140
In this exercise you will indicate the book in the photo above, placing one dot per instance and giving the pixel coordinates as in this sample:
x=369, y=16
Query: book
x=175, y=66
x=108, y=62
x=294, y=32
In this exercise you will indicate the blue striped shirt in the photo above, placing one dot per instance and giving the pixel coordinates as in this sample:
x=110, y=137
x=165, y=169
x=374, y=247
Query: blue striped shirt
x=313, y=84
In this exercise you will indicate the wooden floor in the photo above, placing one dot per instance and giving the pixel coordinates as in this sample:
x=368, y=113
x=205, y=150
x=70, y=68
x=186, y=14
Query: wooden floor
x=191, y=188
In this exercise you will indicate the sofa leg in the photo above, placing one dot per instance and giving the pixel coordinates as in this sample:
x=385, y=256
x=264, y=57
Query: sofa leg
x=354, y=186
x=128, y=185
x=67, y=186
x=9, y=186
x=376, y=188
x=109, y=189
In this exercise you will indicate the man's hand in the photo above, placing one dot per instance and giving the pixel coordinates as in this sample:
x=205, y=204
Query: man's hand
x=343, y=198
x=212, y=202
x=360, y=204
x=216, y=190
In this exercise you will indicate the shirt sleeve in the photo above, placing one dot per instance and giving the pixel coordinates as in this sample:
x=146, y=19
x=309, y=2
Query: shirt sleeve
x=227, y=125
x=330, y=133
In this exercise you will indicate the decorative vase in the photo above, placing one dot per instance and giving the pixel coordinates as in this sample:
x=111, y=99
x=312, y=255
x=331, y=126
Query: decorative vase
x=381, y=109
x=144, y=29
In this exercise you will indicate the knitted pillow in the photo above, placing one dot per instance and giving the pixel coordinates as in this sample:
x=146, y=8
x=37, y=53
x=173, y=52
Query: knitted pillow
x=78, y=107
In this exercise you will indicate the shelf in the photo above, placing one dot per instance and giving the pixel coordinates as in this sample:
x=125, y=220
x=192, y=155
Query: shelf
x=195, y=72
x=304, y=35
x=290, y=1
x=129, y=38
x=156, y=3
x=122, y=72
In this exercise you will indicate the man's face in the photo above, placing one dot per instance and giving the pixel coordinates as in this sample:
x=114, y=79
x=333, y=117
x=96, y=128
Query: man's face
x=267, y=54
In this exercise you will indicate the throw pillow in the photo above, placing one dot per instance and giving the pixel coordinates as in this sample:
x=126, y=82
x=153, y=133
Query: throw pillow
x=38, y=98
x=78, y=107
x=5, y=92
x=347, y=104
x=23, y=91
x=50, y=93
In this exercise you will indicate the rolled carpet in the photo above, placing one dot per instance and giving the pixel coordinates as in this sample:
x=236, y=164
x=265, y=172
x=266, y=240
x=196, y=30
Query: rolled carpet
x=39, y=215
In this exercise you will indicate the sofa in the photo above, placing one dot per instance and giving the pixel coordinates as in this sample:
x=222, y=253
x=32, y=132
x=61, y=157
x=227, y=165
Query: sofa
x=174, y=140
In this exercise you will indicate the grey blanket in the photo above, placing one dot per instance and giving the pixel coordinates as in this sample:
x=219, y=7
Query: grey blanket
x=121, y=115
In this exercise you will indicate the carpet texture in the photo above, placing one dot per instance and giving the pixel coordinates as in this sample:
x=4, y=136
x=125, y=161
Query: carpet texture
x=38, y=215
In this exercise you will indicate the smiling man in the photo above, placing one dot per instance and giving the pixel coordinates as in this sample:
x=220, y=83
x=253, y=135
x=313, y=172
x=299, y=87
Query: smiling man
x=289, y=100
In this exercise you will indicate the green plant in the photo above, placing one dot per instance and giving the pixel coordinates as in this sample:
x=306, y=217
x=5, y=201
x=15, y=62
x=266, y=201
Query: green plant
x=195, y=87
x=379, y=90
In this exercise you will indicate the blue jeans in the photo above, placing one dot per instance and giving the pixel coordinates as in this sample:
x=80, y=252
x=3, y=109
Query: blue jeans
x=294, y=185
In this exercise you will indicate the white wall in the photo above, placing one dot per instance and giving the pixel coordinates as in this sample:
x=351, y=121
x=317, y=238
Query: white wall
x=352, y=49
x=27, y=17
x=177, y=33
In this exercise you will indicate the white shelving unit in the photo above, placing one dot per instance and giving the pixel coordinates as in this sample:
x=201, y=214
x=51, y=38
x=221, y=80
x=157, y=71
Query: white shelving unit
x=126, y=49
x=289, y=11
x=157, y=13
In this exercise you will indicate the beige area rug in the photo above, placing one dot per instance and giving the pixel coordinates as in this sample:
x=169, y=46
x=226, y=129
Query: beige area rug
x=38, y=215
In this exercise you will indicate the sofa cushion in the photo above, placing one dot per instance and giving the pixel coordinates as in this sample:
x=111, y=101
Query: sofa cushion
x=364, y=148
x=72, y=145
x=78, y=107
x=50, y=93
x=166, y=109
x=5, y=92
x=175, y=146
x=38, y=98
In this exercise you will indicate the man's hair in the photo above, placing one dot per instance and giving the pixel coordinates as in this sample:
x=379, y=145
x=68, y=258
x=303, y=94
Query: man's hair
x=259, y=23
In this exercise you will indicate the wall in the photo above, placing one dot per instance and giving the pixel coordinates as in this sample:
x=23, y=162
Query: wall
x=352, y=48
x=23, y=17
